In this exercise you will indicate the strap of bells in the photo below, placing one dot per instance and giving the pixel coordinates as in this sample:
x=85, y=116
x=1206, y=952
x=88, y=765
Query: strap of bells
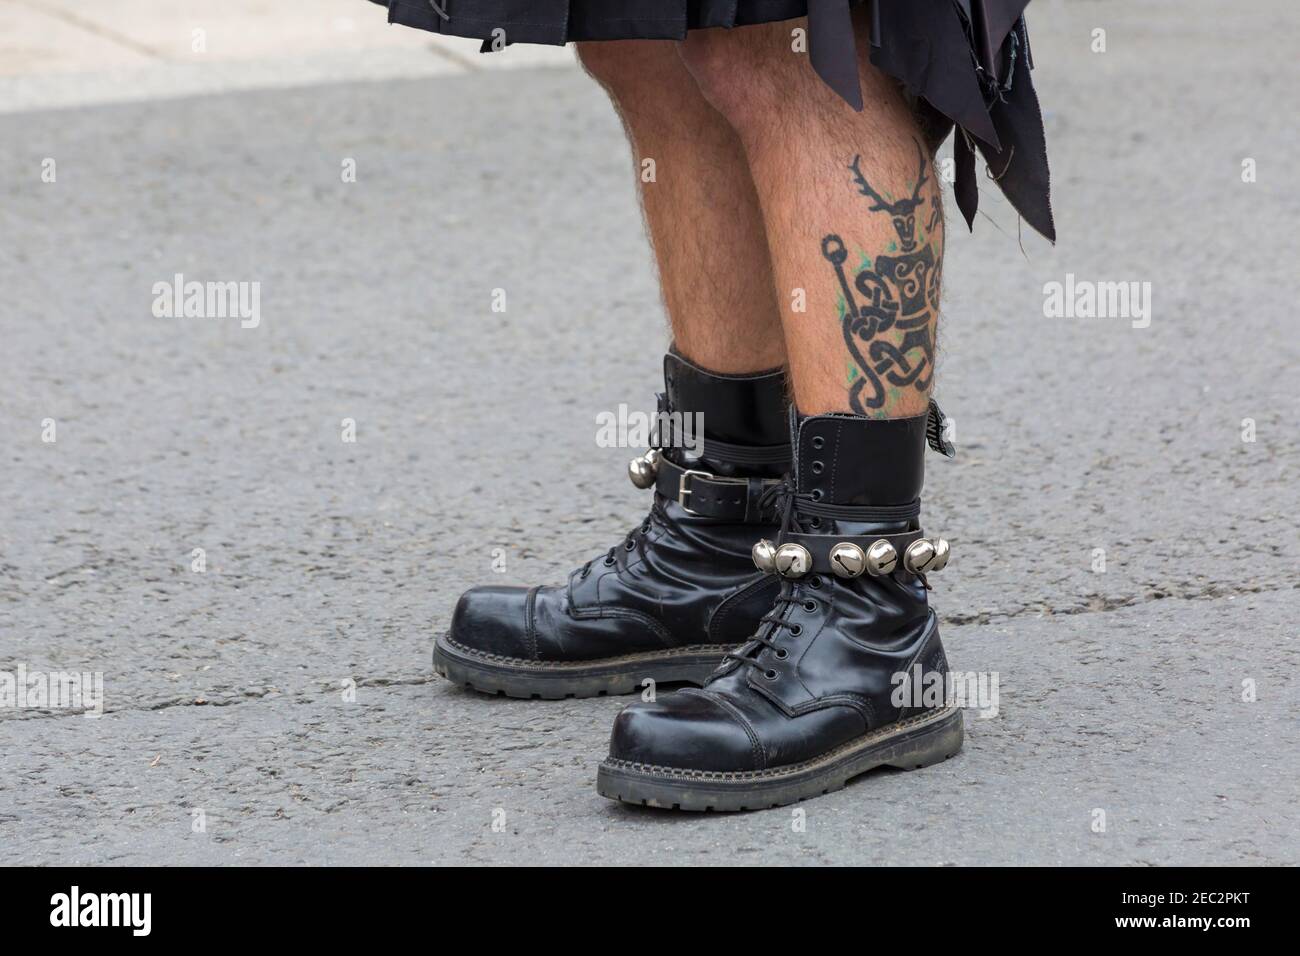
x=908, y=553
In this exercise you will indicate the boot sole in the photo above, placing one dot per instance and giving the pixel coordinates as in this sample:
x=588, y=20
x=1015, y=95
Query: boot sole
x=556, y=680
x=909, y=745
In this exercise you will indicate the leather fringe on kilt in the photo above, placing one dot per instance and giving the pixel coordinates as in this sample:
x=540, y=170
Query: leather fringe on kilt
x=967, y=61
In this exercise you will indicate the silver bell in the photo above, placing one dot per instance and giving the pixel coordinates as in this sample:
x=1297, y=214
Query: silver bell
x=920, y=556
x=941, y=552
x=764, y=554
x=882, y=558
x=793, y=560
x=848, y=560
x=643, y=469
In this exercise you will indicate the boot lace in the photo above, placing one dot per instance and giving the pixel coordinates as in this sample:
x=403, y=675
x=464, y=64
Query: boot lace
x=610, y=558
x=786, y=500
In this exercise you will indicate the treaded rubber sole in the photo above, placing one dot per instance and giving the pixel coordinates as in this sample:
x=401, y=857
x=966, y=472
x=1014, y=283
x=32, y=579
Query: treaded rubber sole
x=909, y=745
x=553, y=680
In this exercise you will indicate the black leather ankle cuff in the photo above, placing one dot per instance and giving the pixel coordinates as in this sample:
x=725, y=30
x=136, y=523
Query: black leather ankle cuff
x=746, y=409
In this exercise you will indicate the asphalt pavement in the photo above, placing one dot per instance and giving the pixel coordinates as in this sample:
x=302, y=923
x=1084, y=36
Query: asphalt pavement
x=260, y=593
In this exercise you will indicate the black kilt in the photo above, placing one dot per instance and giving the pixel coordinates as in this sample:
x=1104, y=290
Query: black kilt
x=967, y=62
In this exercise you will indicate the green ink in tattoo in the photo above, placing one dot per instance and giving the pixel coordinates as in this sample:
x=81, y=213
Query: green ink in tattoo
x=888, y=307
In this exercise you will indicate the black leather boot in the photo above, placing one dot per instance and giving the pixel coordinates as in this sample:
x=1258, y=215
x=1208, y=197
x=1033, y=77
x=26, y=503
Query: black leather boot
x=678, y=592
x=814, y=698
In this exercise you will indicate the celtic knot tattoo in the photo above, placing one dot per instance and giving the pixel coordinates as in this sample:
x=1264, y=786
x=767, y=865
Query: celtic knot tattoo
x=895, y=293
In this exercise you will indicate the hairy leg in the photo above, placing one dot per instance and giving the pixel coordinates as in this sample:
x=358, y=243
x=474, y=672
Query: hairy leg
x=853, y=213
x=701, y=209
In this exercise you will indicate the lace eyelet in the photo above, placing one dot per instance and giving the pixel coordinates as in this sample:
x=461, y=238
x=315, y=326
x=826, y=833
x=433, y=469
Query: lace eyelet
x=795, y=631
x=771, y=674
x=815, y=582
x=782, y=653
x=816, y=522
x=818, y=441
x=818, y=468
x=810, y=605
x=817, y=494
x=609, y=562
x=629, y=546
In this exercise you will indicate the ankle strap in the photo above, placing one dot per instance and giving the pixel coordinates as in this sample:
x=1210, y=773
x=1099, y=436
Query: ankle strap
x=776, y=456
x=834, y=554
x=706, y=495
x=903, y=555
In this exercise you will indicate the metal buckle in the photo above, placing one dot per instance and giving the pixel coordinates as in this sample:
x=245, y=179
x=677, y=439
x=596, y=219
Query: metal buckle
x=683, y=491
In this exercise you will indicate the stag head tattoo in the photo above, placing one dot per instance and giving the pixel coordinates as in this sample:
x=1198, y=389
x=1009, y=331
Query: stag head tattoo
x=902, y=212
x=891, y=301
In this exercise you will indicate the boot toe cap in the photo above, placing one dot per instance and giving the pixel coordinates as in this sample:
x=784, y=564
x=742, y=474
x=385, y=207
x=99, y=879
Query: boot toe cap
x=493, y=620
x=688, y=730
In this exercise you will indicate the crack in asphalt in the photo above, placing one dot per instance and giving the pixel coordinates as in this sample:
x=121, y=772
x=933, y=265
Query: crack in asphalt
x=1098, y=604
x=201, y=701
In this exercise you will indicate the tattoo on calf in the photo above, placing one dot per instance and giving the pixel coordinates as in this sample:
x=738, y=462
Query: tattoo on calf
x=889, y=325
